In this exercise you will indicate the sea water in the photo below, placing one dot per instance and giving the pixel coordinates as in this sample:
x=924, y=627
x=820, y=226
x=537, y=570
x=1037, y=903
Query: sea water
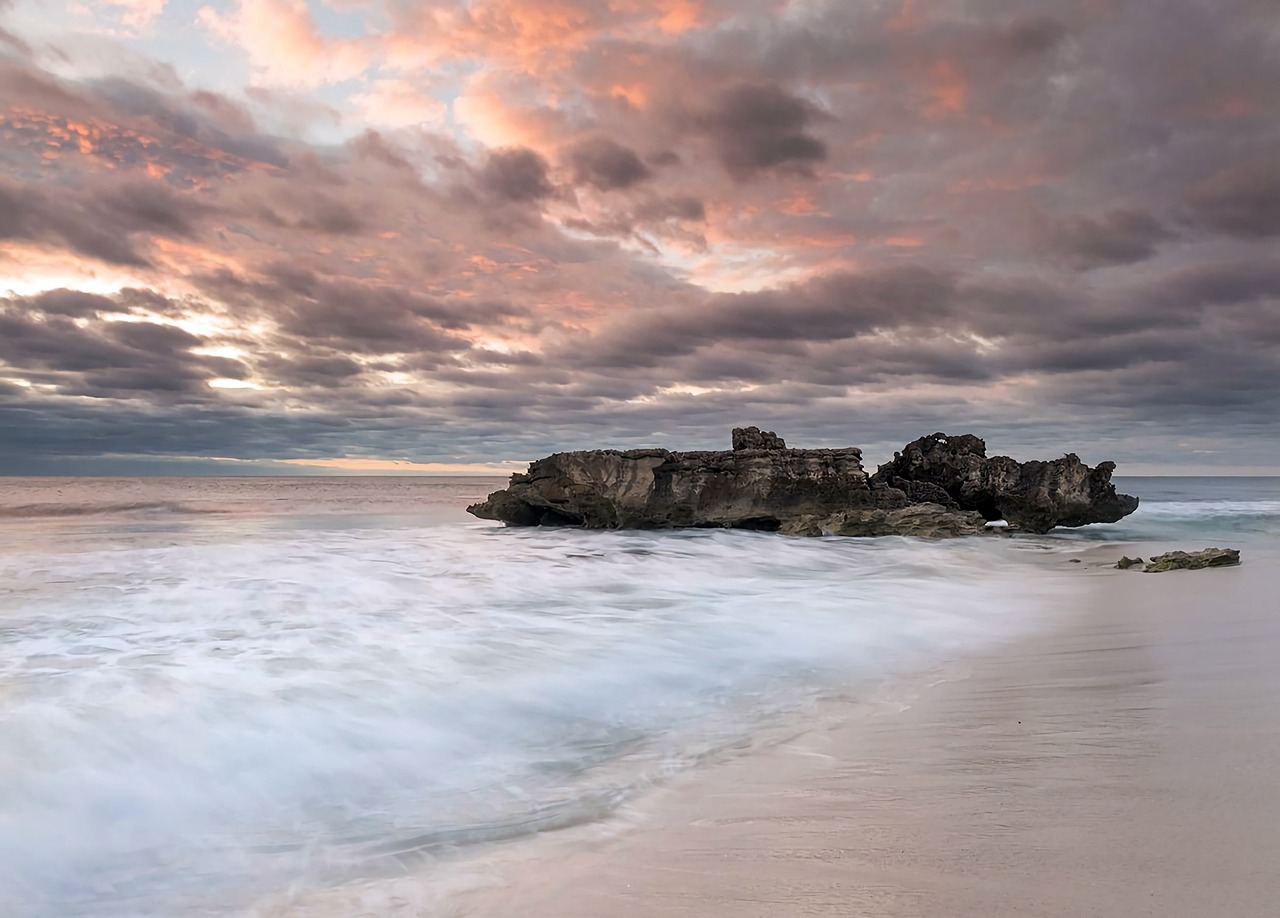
x=214, y=691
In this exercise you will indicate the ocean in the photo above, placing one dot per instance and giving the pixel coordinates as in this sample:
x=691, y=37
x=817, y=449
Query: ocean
x=220, y=692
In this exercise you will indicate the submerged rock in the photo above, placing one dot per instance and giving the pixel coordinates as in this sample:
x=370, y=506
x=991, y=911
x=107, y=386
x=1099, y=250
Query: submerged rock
x=761, y=484
x=1126, y=562
x=1193, y=561
x=1032, y=496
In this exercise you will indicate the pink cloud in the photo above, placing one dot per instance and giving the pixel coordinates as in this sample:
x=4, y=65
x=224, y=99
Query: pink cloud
x=397, y=102
x=285, y=47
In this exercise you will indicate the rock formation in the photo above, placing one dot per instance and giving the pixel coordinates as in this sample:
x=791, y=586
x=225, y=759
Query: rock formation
x=755, y=438
x=1193, y=560
x=761, y=484
x=1032, y=496
x=1125, y=563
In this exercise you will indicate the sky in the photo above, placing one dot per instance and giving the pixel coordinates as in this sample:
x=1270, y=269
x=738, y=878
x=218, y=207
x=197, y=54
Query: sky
x=383, y=235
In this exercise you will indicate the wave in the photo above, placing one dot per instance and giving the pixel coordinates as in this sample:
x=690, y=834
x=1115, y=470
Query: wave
x=323, y=704
x=49, y=510
x=1177, y=520
x=1202, y=509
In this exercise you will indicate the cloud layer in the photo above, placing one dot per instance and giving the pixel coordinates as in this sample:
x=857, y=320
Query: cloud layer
x=471, y=232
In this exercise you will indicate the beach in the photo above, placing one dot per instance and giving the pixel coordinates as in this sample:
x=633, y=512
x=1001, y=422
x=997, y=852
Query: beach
x=317, y=699
x=1122, y=764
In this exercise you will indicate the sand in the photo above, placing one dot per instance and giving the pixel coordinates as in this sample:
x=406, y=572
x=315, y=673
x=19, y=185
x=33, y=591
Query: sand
x=1126, y=764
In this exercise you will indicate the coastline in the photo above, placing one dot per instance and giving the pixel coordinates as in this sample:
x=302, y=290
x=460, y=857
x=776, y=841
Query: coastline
x=1116, y=765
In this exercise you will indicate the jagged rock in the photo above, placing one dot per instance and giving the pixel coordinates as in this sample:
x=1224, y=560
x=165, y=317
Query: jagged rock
x=1193, y=561
x=755, y=438
x=761, y=484
x=1126, y=562
x=1032, y=496
x=648, y=489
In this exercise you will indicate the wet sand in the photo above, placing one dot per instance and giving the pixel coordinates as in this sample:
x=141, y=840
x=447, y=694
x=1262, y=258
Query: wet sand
x=1127, y=764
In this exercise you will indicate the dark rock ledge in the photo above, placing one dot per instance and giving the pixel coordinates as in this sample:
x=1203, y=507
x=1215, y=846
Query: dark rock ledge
x=937, y=486
x=1184, y=560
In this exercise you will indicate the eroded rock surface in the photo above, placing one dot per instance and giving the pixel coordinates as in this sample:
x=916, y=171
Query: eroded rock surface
x=933, y=489
x=1032, y=496
x=755, y=438
x=1192, y=560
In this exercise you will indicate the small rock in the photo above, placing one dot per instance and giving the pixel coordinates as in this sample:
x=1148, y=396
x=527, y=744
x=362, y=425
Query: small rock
x=1075, y=561
x=1193, y=561
x=1126, y=562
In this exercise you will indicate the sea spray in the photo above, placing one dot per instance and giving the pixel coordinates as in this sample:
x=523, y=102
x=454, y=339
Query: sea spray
x=189, y=725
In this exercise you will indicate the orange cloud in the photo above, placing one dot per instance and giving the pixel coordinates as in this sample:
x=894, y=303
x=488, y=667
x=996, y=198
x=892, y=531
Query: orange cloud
x=950, y=90
x=397, y=103
x=347, y=464
x=799, y=204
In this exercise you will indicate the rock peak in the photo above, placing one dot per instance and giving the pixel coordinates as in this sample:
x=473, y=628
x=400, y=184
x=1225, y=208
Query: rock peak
x=755, y=438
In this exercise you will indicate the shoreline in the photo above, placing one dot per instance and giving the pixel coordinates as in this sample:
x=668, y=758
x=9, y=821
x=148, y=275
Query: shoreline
x=1117, y=764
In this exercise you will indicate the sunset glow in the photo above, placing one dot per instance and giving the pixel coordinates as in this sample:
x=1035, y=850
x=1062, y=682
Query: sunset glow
x=345, y=232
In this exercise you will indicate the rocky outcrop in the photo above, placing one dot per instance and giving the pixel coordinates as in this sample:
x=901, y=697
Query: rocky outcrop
x=1125, y=563
x=1193, y=560
x=1032, y=496
x=761, y=484
x=755, y=438
x=657, y=489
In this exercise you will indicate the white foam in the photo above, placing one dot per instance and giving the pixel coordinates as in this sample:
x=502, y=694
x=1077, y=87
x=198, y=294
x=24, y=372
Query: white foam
x=190, y=724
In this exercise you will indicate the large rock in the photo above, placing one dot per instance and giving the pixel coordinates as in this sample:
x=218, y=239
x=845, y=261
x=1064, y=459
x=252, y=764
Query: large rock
x=1032, y=496
x=653, y=488
x=1193, y=560
x=760, y=484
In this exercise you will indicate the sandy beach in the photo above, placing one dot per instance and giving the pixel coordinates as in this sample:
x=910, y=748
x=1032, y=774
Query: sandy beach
x=1122, y=765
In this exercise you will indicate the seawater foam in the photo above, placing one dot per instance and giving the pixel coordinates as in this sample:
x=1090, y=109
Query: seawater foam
x=186, y=727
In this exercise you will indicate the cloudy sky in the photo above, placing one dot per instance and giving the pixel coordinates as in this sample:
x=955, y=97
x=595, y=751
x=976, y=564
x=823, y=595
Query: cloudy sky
x=454, y=233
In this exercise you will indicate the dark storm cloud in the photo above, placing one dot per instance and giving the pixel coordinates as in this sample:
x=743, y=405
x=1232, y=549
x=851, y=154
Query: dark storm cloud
x=30, y=215
x=1242, y=201
x=103, y=221
x=73, y=303
x=1216, y=284
x=756, y=127
x=681, y=207
x=356, y=317
x=1114, y=238
x=1034, y=34
x=104, y=359
x=325, y=370
x=829, y=308
x=309, y=210
x=517, y=174
x=606, y=164
x=202, y=118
